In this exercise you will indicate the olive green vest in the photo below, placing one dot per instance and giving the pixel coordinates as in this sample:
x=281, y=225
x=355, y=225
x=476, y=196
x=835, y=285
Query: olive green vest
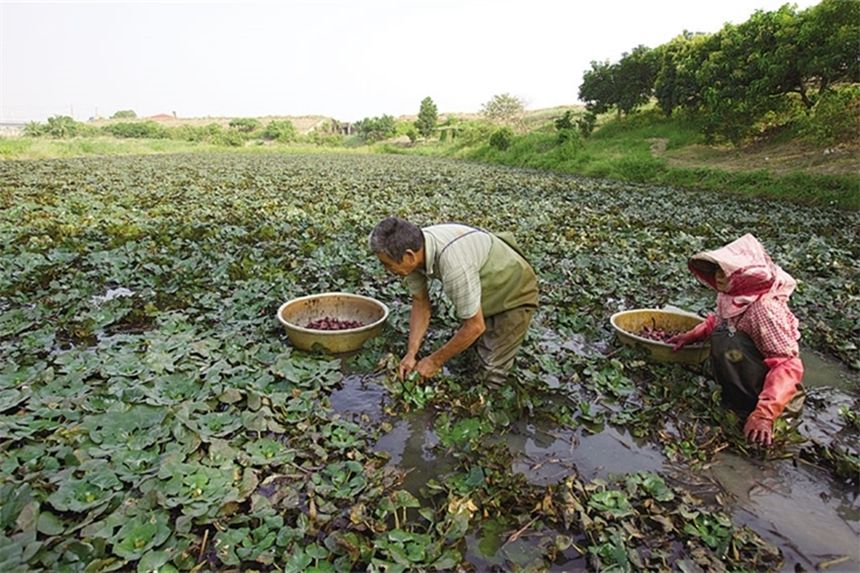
x=507, y=279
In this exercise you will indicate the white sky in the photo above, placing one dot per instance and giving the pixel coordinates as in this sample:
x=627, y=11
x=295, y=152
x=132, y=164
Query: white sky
x=346, y=59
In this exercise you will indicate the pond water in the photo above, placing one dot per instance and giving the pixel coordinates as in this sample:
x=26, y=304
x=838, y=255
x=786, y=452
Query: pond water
x=820, y=371
x=545, y=456
x=811, y=517
x=112, y=294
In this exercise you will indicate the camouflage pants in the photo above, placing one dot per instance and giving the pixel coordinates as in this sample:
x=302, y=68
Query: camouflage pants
x=498, y=346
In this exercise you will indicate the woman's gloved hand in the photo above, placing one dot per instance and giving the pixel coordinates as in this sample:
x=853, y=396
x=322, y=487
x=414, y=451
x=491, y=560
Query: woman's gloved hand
x=759, y=430
x=700, y=332
x=780, y=384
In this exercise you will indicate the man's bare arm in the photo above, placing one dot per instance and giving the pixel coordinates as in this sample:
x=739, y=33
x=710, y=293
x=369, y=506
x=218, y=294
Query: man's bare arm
x=471, y=329
x=419, y=322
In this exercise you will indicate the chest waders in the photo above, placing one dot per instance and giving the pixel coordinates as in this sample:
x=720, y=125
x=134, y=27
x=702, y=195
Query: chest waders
x=740, y=370
x=738, y=367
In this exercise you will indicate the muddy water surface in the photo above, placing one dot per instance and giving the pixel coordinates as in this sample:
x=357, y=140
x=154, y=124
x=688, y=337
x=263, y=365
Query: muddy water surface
x=811, y=517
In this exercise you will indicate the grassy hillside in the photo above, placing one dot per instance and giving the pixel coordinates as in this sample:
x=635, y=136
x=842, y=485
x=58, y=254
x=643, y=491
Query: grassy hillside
x=648, y=147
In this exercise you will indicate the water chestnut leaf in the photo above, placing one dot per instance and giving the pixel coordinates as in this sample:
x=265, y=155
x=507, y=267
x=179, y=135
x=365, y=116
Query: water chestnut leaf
x=155, y=561
x=615, y=503
x=50, y=524
x=140, y=534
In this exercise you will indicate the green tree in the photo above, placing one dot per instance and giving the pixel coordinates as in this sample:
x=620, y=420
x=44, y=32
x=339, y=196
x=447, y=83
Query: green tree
x=502, y=138
x=745, y=77
x=245, y=124
x=835, y=117
x=625, y=85
x=373, y=129
x=137, y=130
x=35, y=129
x=427, y=117
x=124, y=114
x=504, y=108
x=188, y=132
x=586, y=122
x=598, y=89
x=564, y=126
x=749, y=69
x=229, y=138
x=675, y=83
x=634, y=79
x=829, y=37
x=281, y=130
x=565, y=121
x=62, y=126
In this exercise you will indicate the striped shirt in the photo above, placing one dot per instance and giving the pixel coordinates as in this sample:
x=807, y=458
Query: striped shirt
x=454, y=254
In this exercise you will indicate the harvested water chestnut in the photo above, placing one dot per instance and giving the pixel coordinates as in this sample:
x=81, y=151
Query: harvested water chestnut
x=658, y=334
x=329, y=323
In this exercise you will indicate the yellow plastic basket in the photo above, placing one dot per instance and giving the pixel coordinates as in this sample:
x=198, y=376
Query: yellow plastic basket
x=295, y=313
x=627, y=323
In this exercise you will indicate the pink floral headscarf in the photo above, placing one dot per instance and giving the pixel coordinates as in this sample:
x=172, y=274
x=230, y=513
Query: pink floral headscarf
x=750, y=272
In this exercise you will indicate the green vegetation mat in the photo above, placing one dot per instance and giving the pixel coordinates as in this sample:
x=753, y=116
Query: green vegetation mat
x=154, y=417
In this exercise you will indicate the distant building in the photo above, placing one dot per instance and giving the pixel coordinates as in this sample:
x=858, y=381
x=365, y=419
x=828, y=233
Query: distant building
x=12, y=128
x=448, y=131
x=162, y=117
x=341, y=127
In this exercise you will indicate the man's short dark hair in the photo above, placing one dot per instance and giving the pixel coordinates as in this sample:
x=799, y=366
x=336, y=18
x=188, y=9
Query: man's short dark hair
x=394, y=236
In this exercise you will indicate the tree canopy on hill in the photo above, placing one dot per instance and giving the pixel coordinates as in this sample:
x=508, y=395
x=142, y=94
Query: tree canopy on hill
x=777, y=63
x=503, y=108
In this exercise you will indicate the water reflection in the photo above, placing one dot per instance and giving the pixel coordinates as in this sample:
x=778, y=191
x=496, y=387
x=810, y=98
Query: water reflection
x=359, y=396
x=497, y=547
x=547, y=455
x=411, y=444
x=811, y=518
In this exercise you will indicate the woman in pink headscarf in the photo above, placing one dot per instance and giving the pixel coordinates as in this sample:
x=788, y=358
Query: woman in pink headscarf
x=753, y=335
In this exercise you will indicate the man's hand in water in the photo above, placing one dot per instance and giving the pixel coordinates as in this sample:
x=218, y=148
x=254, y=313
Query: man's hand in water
x=407, y=365
x=428, y=367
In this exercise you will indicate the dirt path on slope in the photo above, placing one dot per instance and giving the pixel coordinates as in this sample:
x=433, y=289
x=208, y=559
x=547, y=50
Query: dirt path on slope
x=778, y=159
